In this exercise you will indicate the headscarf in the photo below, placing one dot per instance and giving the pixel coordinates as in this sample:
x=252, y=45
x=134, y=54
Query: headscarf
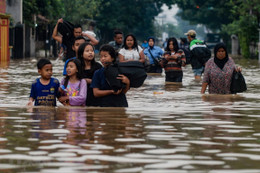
x=153, y=41
x=220, y=62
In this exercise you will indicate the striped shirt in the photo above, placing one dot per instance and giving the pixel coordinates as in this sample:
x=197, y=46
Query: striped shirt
x=170, y=64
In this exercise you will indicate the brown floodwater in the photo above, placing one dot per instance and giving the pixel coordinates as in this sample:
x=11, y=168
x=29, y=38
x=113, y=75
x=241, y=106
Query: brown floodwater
x=166, y=128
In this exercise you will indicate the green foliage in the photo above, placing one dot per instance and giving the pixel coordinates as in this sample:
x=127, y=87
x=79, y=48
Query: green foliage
x=240, y=17
x=211, y=13
x=244, y=43
x=132, y=16
x=78, y=11
x=50, y=9
x=246, y=26
x=29, y=8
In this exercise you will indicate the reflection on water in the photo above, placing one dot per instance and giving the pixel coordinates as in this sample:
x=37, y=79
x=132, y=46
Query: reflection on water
x=167, y=128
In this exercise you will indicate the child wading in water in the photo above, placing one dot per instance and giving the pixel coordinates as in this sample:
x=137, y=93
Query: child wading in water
x=86, y=54
x=173, y=61
x=44, y=90
x=101, y=89
x=77, y=42
x=73, y=88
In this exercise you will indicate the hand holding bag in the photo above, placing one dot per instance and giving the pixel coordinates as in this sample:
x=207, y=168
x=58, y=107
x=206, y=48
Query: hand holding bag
x=111, y=73
x=238, y=83
x=135, y=72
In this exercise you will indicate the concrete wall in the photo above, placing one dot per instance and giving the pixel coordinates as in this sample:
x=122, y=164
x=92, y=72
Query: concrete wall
x=235, y=45
x=15, y=8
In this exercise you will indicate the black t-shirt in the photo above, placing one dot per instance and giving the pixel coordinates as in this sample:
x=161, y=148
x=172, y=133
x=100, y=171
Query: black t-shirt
x=99, y=81
x=91, y=100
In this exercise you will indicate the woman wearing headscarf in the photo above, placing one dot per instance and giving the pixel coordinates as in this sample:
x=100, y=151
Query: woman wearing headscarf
x=154, y=54
x=218, y=72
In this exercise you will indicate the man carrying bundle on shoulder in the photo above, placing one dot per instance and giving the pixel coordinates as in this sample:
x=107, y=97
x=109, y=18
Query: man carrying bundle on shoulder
x=68, y=33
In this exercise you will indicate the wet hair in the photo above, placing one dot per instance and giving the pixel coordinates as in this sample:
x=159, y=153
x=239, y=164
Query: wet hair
x=135, y=41
x=78, y=38
x=79, y=74
x=77, y=26
x=117, y=32
x=108, y=48
x=42, y=62
x=175, y=44
x=81, y=58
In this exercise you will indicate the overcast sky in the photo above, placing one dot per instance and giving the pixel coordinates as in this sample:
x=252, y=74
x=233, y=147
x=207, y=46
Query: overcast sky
x=168, y=15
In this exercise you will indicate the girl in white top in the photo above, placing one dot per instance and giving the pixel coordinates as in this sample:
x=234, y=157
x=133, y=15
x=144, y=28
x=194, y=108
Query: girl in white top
x=131, y=51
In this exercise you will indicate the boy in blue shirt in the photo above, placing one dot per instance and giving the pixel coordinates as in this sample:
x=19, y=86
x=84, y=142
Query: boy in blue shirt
x=44, y=90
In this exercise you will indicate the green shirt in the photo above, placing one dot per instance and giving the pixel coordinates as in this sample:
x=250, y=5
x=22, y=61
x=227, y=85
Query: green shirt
x=196, y=43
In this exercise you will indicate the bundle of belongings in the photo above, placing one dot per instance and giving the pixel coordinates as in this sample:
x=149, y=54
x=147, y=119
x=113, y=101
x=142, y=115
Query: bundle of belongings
x=133, y=70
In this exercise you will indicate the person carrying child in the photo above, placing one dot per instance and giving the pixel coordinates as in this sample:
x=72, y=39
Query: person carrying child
x=86, y=54
x=68, y=39
x=101, y=88
x=73, y=87
x=44, y=90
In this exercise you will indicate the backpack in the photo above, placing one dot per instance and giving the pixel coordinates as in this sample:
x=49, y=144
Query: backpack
x=200, y=50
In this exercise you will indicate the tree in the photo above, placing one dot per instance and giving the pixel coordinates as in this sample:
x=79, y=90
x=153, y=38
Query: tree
x=246, y=22
x=240, y=17
x=29, y=8
x=77, y=11
x=50, y=9
x=211, y=13
x=132, y=16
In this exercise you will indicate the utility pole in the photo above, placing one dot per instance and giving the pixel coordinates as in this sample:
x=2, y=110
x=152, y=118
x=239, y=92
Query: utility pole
x=259, y=44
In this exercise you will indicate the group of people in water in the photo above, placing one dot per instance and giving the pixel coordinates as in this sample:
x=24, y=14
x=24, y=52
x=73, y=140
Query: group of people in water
x=85, y=83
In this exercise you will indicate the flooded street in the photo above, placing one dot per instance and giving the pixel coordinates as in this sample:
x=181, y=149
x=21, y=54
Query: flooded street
x=166, y=128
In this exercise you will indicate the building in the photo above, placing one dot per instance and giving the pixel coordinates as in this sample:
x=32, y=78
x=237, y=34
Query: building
x=4, y=35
